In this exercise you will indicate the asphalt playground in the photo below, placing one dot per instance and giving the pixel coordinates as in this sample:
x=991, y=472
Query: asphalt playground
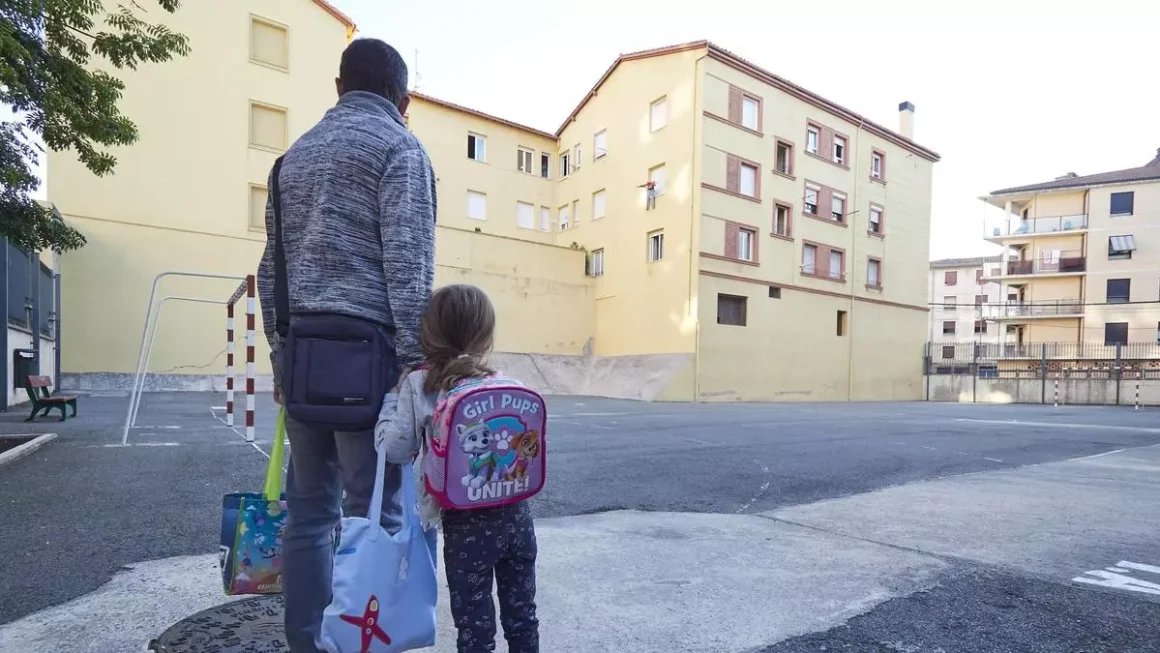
x=717, y=528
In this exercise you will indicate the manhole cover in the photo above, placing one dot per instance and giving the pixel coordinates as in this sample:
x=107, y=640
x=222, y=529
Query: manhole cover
x=252, y=625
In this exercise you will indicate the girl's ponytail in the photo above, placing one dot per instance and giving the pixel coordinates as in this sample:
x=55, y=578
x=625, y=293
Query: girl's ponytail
x=457, y=334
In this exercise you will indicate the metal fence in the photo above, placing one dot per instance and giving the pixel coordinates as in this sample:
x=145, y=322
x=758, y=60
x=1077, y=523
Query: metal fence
x=1046, y=360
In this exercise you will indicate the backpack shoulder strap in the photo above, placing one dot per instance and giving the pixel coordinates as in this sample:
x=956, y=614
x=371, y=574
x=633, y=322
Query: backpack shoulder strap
x=281, y=282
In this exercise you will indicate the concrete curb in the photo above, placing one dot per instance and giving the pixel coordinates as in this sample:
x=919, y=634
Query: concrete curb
x=23, y=450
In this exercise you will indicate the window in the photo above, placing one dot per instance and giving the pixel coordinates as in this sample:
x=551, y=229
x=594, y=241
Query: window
x=875, y=219
x=842, y=326
x=597, y=265
x=784, y=163
x=774, y=292
x=268, y=127
x=656, y=246
x=980, y=326
x=980, y=300
x=598, y=204
x=545, y=219
x=838, y=208
x=950, y=303
x=837, y=264
x=576, y=211
x=258, y=207
x=600, y=144
x=750, y=113
x=476, y=147
x=950, y=278
x=525, y=215
x=1115, y=333
x=781, y=216
x=813, y=137
x=731, y=309
x=1119, y=291
x=1121, y=247
x=811, y=201
x=658, y=114
x=877, y=165
x=994, y=272
x=545, y=165
x=810, y=259
x=476, y=205
x=979, y=275
x=748, y=185
x=524, y=160
x=657, y=176
x=564, y=220
x=840, y=149
x=874, y=273
x=745, y=240
x=948, y=328
x=577, y=157
x=1122, y=203
x=948, y=351
x=565, y=167
x=269, y=43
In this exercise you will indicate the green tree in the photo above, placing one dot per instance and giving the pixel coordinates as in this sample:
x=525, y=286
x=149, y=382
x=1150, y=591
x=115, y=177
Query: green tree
x=46, y=78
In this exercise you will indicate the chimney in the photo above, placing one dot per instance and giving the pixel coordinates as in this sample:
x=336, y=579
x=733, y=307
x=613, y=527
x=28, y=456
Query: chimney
x=906, y=119
x=1154, y=163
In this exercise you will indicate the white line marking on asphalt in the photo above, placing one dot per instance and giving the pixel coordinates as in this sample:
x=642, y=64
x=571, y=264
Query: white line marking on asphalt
x=926, y=447
x=217, y=407
x=1122, y=581
x=1106, y=427
x=760, y=491
x=154, y=427
x=1100, y=455
x=694, y=440
x=994, y=460
x=242, y=436
x=143, y=444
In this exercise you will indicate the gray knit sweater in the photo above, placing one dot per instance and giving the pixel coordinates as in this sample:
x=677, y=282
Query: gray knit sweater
x=358, y=218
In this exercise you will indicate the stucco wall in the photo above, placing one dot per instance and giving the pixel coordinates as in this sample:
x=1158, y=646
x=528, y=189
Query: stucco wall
x=1100, y=392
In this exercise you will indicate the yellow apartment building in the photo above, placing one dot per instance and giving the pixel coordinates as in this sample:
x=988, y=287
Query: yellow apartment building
x=697, y=229
x=1081, y=258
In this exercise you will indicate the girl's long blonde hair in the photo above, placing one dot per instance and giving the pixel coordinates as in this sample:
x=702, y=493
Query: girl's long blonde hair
x=457, y=335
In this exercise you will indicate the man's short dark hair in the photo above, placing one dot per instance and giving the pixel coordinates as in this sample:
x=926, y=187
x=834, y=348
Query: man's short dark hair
x=373, y=66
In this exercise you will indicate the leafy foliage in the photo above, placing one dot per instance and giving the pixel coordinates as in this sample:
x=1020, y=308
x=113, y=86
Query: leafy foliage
x=50, y=80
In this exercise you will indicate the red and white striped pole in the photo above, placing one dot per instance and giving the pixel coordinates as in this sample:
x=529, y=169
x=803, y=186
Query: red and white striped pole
x=230, y=364
x=1138, y=391
x=251, y=303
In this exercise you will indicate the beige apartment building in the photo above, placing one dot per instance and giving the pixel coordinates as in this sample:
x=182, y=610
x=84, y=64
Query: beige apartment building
x=963, y=292
x=697, y=229
x=1081, y=258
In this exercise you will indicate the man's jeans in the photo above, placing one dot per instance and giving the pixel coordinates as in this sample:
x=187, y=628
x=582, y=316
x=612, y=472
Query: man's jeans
x=323, y=464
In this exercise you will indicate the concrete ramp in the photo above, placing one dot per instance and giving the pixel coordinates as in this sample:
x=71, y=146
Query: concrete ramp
x=644, y=378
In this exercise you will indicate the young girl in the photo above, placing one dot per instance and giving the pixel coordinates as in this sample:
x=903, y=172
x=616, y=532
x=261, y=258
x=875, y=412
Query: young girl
x=457, y=333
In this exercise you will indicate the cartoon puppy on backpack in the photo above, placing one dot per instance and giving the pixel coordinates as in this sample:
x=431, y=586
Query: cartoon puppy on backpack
x=475, y=441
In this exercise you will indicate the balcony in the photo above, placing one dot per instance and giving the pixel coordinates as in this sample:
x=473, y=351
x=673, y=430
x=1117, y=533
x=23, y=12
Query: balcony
x=1017, y=227
x=1049, y=262
x=1033, y=310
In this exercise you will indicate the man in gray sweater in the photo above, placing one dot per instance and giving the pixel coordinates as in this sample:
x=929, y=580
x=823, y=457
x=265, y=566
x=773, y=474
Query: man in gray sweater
x=357, y=205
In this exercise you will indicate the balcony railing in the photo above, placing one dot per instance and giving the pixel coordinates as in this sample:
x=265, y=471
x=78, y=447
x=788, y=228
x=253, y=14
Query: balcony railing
x=1049, y=308
x=1049, y=225
x=1048, y=262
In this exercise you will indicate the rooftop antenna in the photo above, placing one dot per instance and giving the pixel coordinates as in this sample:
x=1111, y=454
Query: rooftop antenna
x=418, y=77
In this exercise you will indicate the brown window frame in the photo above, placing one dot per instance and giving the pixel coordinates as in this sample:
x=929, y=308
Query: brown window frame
x=875, y=152
x=954, y=327
x=881, y=232
x=951, y=278
x=736, y=109
x=742, y=309
x=777, y=144
x=733, y=242
x=826, y=137
x=870, y=260
x=733, y=164
x=822, y=252
x=778, y=204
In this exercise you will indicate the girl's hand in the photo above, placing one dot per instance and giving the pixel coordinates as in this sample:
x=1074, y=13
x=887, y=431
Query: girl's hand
x=402, y=377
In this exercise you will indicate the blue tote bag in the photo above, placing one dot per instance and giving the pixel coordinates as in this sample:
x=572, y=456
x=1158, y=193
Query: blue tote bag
x=384, y=585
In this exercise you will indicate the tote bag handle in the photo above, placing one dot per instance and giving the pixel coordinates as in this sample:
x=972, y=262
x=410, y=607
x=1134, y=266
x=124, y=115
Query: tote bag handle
x=410, y=515
x=273, y=488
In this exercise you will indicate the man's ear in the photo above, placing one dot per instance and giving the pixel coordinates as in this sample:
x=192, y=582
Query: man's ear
x=406, y=102
x=338, y=86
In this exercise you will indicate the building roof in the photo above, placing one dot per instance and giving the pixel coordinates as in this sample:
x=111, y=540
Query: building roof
x=964, y=262
x=333, y=11
x=480, y=114
x=730, y=59
x=1147, y=172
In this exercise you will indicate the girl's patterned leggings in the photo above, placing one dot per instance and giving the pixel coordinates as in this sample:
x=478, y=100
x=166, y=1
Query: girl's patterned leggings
x=478, y=545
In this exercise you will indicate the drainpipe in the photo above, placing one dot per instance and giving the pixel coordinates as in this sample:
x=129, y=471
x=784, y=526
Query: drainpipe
x=694, y=240
x=853, y=258
x=4, y=343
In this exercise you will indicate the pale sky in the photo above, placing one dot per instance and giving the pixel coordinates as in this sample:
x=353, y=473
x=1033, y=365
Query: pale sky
x=1008, y=92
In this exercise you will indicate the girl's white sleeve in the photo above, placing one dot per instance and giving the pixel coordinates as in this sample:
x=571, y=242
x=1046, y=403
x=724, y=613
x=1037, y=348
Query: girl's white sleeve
x=396, y=431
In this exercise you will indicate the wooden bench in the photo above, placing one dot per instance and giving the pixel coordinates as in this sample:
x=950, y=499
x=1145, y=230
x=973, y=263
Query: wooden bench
x=43, y=399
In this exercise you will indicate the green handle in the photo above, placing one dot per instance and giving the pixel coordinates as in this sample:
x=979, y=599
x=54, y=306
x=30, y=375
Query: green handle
x=273, y=489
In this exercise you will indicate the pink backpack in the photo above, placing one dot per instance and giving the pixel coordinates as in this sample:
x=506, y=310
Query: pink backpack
x=488, y=447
